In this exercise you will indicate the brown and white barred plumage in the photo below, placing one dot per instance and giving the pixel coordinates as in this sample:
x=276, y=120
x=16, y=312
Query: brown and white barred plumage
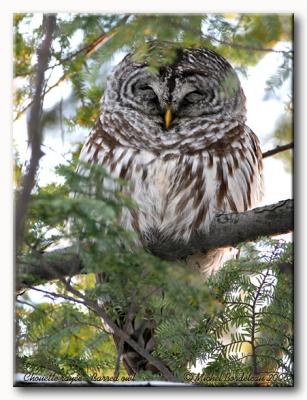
x=208, y=160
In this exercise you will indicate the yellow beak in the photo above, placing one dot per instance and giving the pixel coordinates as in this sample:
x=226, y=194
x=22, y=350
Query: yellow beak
x=168, y=118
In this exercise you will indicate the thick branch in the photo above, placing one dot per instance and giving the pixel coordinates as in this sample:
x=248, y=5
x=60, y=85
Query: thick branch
x=231, y=229
x=226, y=230
x=34, y=128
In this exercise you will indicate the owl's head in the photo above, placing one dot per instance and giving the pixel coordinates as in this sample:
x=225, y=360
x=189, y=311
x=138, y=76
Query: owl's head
x=198, y=85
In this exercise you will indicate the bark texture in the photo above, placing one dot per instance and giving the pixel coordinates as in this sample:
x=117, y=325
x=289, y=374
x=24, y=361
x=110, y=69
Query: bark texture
x=226, y=230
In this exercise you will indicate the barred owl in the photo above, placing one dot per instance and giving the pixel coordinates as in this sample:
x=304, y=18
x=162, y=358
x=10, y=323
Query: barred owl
x=180, y=137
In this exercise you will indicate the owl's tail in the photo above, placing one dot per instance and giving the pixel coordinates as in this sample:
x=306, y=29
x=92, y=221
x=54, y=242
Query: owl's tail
x=142, y=330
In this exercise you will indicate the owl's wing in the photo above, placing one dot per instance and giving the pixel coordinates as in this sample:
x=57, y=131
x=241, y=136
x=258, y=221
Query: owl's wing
x=99, y=149
x=235, y=184
x=237, y=165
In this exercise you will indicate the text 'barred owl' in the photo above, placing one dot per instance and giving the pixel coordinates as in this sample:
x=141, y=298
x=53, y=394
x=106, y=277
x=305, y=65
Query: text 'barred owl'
x=180, y=137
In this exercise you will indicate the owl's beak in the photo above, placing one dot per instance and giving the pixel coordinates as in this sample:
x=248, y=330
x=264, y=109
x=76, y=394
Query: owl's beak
x=168, y=118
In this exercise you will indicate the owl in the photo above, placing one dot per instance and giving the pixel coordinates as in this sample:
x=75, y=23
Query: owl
x=179, y=136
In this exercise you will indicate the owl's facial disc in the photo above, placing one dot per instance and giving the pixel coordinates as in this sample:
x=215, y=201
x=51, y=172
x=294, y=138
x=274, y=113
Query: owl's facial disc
x=155, y=95
x=170, y=98
x=200, y=84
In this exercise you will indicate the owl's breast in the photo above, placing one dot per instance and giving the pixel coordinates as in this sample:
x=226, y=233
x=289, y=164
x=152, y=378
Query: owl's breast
x=172, y=193
x=180, y=193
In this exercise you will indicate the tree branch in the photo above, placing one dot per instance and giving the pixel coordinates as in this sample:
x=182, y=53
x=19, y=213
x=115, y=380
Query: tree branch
x=122, y=334
x=249, y=48
x=46, y=91
x=88, y=50
x=34, y=128
x=81, y=299
x=226, y=230
x=229, y=230
x=277, y=150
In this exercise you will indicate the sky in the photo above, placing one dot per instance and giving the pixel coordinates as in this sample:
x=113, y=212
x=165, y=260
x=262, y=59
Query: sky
x=262, y=116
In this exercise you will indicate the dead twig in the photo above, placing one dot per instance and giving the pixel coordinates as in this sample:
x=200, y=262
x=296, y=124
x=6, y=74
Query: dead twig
x=277, y=150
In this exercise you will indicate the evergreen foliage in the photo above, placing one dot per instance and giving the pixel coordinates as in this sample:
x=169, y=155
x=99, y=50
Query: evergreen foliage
x=248, y=303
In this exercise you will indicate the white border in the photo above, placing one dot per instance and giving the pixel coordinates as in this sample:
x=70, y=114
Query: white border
x=157, y=6
x=172, y=6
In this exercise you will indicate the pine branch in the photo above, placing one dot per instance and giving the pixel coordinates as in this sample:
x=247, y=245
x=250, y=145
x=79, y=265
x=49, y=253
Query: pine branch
x=123, y=335
x=277, y=150
x=81, y=299
x=226, y=230
x=254, y=325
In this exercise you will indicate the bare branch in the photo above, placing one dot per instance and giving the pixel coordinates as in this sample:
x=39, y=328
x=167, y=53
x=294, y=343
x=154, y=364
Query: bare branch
x=249, y=48
x=277, y=150
x=46, y=91
x=34, y=128
x=48, y=266
x=226, y=230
